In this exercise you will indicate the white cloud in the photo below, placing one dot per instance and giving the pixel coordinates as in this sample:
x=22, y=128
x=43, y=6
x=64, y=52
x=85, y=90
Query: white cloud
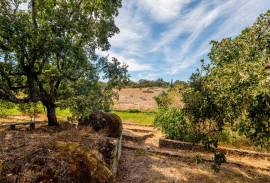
x=183, y=39
x=194, y=22
x=186, y=62
x=133, y=29
x=132, y=41
x=146, y=75
x=133, y=64
x=237, y=15
x=242, y=16
x=162, y=10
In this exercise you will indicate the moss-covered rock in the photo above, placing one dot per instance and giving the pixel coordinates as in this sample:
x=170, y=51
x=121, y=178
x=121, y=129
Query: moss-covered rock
x=58, y=162
x=84, y=165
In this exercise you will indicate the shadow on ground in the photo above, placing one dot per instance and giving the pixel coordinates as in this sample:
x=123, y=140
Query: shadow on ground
x=140, y=166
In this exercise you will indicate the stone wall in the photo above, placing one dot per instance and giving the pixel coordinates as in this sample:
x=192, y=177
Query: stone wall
x=175, y=144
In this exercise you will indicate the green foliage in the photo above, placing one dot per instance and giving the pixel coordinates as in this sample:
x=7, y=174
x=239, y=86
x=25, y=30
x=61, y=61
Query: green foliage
x=198, y=159
x=173, y=122
x=142, y=83
x=178, y=84
x=155, y=83
x=91, y=95
x=31, y=109
x=5, y=107
x=48, y=49
x=219, y=158
x=233, y=89
x=163, y=100
x=171, y=97
x=63, y=113
x=133, y=111
x=257, y=126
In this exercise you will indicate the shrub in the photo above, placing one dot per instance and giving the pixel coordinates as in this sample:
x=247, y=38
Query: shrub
x=163, y=100
x=174, y=124
x=31, y=109
x=134, y=110
x=4, y=107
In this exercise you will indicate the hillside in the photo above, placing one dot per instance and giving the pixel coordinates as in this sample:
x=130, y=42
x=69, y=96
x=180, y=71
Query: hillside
x=138, y=98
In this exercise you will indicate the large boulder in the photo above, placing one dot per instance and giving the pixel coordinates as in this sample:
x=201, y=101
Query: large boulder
x=109, y=123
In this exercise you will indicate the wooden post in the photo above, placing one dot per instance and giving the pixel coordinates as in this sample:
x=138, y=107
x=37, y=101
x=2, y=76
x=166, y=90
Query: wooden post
x=12, y=127
x=32, y=126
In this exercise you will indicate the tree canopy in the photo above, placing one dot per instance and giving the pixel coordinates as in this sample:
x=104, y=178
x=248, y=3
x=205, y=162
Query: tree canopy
x=47, y=50
x=234, y=88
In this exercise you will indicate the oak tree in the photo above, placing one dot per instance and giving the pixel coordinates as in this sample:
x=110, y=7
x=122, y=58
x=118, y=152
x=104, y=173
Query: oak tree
x=47, y=46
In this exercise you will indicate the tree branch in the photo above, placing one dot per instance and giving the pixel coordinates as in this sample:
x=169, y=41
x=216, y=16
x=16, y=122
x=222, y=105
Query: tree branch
x=9, y=96
x=34, y=14
x=3, y=47
x=79, y=5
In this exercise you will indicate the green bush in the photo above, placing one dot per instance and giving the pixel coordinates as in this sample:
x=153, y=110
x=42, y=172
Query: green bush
x=31, y=109
x=134, y=110
x=5, y=107
x=174, y=124
x=163, y=100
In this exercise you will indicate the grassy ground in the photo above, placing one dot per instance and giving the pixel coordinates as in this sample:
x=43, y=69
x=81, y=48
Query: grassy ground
x=15, y=115
x=145, y=118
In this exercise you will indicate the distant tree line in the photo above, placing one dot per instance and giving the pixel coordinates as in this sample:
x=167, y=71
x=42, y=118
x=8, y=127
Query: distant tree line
x=153, y=83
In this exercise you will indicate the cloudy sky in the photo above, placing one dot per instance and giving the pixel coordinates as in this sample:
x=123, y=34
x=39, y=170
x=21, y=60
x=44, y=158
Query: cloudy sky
x=167, y=38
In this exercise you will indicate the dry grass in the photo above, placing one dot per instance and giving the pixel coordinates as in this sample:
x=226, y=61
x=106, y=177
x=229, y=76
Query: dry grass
x=144, y=167
x=138, y=98
x=52, y=155
x=141, y=165
x=26, y=118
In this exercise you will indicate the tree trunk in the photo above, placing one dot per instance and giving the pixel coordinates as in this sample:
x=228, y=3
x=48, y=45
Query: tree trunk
x=52, y=120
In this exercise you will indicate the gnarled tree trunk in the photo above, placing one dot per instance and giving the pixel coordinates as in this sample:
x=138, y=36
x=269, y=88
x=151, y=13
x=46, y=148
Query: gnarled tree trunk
x=51, y=114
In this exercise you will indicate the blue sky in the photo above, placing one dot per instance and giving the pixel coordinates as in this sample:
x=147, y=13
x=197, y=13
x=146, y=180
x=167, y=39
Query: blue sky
x=167, y=38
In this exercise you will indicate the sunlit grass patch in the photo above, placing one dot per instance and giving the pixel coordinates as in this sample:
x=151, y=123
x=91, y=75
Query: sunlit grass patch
x=146, y=118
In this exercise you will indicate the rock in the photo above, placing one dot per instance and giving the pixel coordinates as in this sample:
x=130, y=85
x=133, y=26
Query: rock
x=84, y=165
x=110, y=123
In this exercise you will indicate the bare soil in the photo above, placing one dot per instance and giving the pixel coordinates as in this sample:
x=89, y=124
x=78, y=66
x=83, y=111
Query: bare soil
x=26, y=118
x=23, y=147
x=142, y=99
x=139, y=165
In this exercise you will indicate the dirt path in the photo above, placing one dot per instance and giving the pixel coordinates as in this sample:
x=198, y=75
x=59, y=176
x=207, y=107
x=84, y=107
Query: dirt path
x=140, y=165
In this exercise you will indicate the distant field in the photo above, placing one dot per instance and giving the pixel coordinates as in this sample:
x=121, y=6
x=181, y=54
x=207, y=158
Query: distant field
x=138, y=98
